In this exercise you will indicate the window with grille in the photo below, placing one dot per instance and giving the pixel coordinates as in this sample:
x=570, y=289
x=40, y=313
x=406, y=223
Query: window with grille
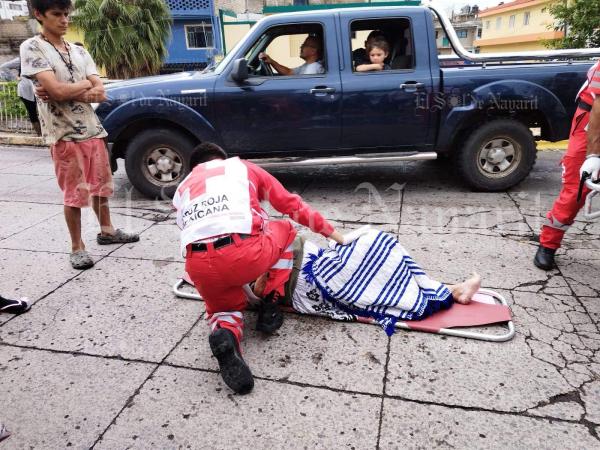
x=188, y=5
x=498, y=23
x=511, y=21
x=526, y=18
x=199, y=35
x=462, y=34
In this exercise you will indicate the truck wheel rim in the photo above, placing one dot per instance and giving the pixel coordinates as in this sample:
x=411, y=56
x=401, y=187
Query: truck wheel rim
x=498, y=158
x=164, y=165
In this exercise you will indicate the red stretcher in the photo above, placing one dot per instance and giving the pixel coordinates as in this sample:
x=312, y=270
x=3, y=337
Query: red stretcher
x=488, y=308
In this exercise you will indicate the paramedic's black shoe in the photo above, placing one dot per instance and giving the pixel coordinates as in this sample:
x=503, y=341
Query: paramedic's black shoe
x=544, y=258
x=234, y=370
x=270, y=317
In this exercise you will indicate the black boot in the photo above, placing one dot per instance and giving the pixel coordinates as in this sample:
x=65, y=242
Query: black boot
x=234, y=370
x=544, y=258
x=14, y=306
x=270, y=317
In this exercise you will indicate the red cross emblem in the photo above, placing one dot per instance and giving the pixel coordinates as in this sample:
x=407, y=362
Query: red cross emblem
x=197, y=182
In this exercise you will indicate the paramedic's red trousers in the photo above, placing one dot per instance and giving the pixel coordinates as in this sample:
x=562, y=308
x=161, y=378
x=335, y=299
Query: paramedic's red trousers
x=566, y=207
x=220, y=274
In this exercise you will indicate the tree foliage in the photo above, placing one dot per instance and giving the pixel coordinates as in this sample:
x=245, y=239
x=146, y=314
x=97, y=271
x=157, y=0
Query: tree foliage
x=581, y=20
x=126, y=37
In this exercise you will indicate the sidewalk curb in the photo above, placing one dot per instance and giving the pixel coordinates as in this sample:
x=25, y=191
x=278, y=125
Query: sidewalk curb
x=25, y=140
x=545, y=145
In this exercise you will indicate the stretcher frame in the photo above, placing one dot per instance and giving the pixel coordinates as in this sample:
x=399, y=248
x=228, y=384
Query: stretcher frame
x=409, y=326
x=588, y=208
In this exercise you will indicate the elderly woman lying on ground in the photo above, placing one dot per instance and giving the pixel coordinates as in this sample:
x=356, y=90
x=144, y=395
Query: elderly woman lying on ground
x=372, y=277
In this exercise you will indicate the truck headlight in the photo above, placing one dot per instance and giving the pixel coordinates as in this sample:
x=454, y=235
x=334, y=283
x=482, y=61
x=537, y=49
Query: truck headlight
x=95, y=106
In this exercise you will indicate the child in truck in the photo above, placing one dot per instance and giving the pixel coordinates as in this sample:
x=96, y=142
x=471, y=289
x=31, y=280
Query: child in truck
x=377, y=50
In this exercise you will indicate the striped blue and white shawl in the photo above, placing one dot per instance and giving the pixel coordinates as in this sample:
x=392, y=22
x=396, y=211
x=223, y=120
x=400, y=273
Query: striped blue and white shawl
x=375, y=277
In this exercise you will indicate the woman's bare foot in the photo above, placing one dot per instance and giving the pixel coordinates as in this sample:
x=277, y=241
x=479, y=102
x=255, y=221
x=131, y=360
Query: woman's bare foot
x=464, y=292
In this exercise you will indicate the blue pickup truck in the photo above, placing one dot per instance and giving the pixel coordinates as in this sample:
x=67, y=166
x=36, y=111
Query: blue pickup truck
x=483, y=117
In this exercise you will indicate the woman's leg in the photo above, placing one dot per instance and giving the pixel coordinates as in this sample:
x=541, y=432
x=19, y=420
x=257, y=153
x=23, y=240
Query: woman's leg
x=31, y=108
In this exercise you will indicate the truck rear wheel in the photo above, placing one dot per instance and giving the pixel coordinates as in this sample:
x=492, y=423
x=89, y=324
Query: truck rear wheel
x=497, y=155
x=157, y=161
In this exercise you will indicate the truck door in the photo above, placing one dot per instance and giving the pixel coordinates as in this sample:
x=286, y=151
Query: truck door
x=386, y=108
x=280, y=113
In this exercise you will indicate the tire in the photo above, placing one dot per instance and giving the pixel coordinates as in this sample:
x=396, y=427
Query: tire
x=158, y=160
x=496, y=156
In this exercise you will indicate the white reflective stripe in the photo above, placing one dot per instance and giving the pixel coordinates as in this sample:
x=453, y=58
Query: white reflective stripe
x=595, y=84
x=228, y=319
x=237, y=314
x=553, y=223
x=283, y=264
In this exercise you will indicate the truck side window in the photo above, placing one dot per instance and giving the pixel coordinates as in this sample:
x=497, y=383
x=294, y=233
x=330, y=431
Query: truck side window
x=376, y=38
x=288, y=50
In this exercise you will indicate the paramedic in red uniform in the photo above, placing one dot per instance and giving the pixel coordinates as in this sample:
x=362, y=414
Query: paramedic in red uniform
x=228, y=241
x=583, y=155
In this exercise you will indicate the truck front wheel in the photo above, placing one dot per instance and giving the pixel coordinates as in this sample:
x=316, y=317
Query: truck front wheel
x=496, y=156
x=157, y=161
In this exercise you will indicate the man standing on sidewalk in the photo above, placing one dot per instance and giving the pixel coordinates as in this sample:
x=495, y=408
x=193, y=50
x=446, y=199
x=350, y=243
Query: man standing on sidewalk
x=583, y=155
x=67, y=82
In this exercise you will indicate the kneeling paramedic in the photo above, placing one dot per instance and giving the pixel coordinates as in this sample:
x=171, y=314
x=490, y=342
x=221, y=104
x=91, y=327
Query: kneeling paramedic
x=228, y=241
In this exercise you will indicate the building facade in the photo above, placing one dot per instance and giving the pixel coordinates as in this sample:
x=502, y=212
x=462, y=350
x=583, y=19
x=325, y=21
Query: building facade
x=195, y=37
x=521, y=25
x=10, y=10
x=468, y=30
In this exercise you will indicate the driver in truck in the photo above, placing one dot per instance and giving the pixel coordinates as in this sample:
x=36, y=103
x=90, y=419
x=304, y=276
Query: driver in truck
x=311, y=51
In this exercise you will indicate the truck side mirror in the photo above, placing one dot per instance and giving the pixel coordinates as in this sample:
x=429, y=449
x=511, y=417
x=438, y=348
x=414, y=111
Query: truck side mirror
x=239, y=73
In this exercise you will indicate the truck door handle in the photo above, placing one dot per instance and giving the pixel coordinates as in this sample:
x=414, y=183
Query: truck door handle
x=320, y=91
x=412, y=86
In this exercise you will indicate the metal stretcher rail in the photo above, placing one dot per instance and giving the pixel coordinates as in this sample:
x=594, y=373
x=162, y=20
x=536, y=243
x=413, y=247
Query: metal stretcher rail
x=456, y=332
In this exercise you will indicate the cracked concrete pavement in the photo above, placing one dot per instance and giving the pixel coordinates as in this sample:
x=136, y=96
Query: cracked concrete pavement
x=109, y=358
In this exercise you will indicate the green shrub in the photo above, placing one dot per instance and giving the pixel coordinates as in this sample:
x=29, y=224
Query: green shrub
x=10, y=103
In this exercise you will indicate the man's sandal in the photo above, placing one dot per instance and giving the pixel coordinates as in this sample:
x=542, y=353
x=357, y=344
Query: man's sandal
x=120, y=237
x=81, y=260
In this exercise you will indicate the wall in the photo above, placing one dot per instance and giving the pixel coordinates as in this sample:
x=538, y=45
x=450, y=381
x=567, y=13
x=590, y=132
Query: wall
x=513, y=37
x=8, y=13
x=286, y=50
x=240, y=6
x=517, y=47
x=178, y=52
x=234, y=33
x=12, y=33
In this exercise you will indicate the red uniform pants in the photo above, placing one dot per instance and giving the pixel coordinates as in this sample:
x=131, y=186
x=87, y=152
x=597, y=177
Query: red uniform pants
x=566, y=206
x=220, y=274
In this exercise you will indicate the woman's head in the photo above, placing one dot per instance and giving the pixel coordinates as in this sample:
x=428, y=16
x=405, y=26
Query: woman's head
x=378, y=50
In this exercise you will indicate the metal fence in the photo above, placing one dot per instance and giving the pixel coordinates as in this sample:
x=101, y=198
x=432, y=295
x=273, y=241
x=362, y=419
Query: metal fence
x=13, y=115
